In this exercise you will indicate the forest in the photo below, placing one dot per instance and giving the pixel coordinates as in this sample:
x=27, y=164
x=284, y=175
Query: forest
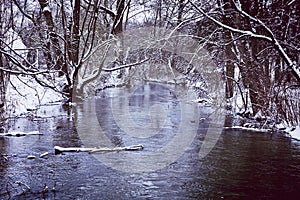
x=63, y=46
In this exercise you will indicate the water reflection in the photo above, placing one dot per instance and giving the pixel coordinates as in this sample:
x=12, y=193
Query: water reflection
x=151, y=115
x=153, y=110
x=3, y=156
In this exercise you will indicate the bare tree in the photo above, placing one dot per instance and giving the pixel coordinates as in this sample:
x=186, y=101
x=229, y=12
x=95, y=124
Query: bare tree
x=66, y=34
x=258, y=47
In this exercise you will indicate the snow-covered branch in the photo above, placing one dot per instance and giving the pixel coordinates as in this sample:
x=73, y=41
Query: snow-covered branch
x=108, y=11
x=291, y=64
x=125, y=66
x=25, y=72
x=230, y=28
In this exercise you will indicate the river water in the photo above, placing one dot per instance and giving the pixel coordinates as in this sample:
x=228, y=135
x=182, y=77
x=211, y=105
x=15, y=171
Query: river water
x=241, y=165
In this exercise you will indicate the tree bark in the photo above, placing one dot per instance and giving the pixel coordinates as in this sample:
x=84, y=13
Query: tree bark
x=59, y=65
x=2, y=79
x=229, y=64
x=76, y=34
x=180, y=11
x=118, y=22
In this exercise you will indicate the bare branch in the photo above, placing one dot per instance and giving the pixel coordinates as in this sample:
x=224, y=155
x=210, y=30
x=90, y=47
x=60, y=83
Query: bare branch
x=243, y=32
x=108, y=11
x=271, y=39
x=291, y=64
x=25, y=72
x=125, y=66
x=23, y=12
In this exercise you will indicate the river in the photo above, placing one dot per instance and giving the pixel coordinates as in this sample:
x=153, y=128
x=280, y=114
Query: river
x=241, y=165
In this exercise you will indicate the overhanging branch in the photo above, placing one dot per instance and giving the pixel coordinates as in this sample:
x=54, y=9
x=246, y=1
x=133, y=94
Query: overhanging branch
x=291, y=64
x=125, y=66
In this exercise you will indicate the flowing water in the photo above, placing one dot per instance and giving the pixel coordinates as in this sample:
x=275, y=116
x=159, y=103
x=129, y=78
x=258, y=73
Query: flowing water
x=242, y=165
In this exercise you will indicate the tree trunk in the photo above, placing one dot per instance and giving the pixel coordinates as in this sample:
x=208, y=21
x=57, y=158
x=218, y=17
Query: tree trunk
x=2, y=79
x=118, y=22
x=180, y=11
x=259, y=76
x=76, y=36
x=229, y=64
x=59, y=65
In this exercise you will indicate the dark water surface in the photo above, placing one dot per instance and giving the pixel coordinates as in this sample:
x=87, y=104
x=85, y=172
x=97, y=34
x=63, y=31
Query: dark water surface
x=242, y=165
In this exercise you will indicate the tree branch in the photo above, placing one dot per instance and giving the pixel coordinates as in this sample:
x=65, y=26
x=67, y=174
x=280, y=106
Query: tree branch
x=291, y=64
x=271, y=39
x=23, y=12
x=24, y=72
x=232, y=29
x=108, y=11
x=125, y=66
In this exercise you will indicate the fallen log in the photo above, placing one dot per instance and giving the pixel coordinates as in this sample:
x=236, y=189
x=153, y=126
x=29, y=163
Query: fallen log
x=58, y=149
x=18, y=134
x=242, y=128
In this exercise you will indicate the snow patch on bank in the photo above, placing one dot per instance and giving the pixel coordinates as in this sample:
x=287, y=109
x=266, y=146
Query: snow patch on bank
x=25, y=94
x=295, y=132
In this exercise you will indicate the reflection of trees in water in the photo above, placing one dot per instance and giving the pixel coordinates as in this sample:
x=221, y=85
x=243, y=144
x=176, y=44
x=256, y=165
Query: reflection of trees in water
x=2, y=96
x=162, y=66
x=4, y=78
x=3, y=161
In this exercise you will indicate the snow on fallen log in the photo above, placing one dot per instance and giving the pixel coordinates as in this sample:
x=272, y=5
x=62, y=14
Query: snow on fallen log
x=43, y=155
x=18, y=134
x=59, y=149
x=30, y=157
x=295, y=132
x=242, y=128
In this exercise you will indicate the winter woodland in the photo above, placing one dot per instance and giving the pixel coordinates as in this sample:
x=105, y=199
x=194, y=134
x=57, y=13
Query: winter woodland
x=50, y=50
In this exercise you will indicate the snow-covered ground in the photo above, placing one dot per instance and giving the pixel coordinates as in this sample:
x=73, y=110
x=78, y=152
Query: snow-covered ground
x=295, y=132
x=25, y=94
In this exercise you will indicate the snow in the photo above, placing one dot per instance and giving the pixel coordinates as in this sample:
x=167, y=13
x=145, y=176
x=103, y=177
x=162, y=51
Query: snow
x=15, y=42
x=20, y=133
x=23, y=92
x=291, y=2
x=295, y=133
x=248, y=129
x=22, y=98
x=46, y=9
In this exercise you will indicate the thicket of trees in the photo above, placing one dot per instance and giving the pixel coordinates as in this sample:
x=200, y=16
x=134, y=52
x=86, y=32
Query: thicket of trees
x=262, y=42
x=255, y=42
